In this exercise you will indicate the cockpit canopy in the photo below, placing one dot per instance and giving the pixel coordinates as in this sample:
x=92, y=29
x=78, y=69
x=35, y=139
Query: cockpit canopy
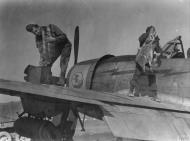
x=173, y=49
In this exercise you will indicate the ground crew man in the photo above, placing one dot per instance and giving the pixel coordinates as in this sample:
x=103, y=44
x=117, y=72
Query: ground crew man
x=149, y=42
x=52, y=43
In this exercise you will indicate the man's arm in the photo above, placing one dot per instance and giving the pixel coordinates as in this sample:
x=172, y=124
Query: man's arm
x=158, y=48
x=57, y=33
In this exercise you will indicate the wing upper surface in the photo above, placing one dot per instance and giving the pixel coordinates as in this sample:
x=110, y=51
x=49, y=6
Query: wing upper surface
x=16, y=88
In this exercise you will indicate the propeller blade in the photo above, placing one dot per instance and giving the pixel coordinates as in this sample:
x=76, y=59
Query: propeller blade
x=76, y=44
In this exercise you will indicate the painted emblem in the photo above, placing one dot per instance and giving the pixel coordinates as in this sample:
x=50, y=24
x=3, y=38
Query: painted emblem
x=77, y=80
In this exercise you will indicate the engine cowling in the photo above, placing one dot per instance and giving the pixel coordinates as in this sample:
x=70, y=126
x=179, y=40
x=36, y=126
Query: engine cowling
x=108, y=73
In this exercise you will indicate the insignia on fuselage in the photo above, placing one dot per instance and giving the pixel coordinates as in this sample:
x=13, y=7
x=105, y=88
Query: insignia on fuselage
x=77, y=80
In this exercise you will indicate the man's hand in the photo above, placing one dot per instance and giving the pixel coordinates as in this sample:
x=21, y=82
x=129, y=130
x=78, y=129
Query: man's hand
x=50, y=39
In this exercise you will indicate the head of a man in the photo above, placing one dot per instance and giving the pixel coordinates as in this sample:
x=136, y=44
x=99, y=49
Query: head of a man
x=34, y=28
x=151, y=30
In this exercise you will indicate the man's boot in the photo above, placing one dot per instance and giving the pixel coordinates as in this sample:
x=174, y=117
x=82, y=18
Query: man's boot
x=130, y=93
x=154, y=96
x=61, y=82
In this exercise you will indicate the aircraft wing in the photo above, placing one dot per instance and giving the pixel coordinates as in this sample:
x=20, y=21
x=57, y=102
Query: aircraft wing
x=136, y=118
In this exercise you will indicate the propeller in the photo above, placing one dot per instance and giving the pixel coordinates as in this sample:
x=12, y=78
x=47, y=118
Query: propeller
x=76, y=44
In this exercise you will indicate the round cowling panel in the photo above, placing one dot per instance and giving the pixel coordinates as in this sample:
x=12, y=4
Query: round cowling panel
x=81, y=75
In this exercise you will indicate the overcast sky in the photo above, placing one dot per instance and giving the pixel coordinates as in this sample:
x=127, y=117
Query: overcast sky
x=106, y=27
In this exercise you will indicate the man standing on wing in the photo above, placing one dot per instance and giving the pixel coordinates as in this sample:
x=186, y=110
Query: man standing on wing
x=149, y=42
x=52, y=43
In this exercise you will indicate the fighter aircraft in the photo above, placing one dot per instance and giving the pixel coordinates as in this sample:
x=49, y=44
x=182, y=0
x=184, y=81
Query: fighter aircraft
x=98, y=88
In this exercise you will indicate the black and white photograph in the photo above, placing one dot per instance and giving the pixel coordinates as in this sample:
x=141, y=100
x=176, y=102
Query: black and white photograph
x=94, y=70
